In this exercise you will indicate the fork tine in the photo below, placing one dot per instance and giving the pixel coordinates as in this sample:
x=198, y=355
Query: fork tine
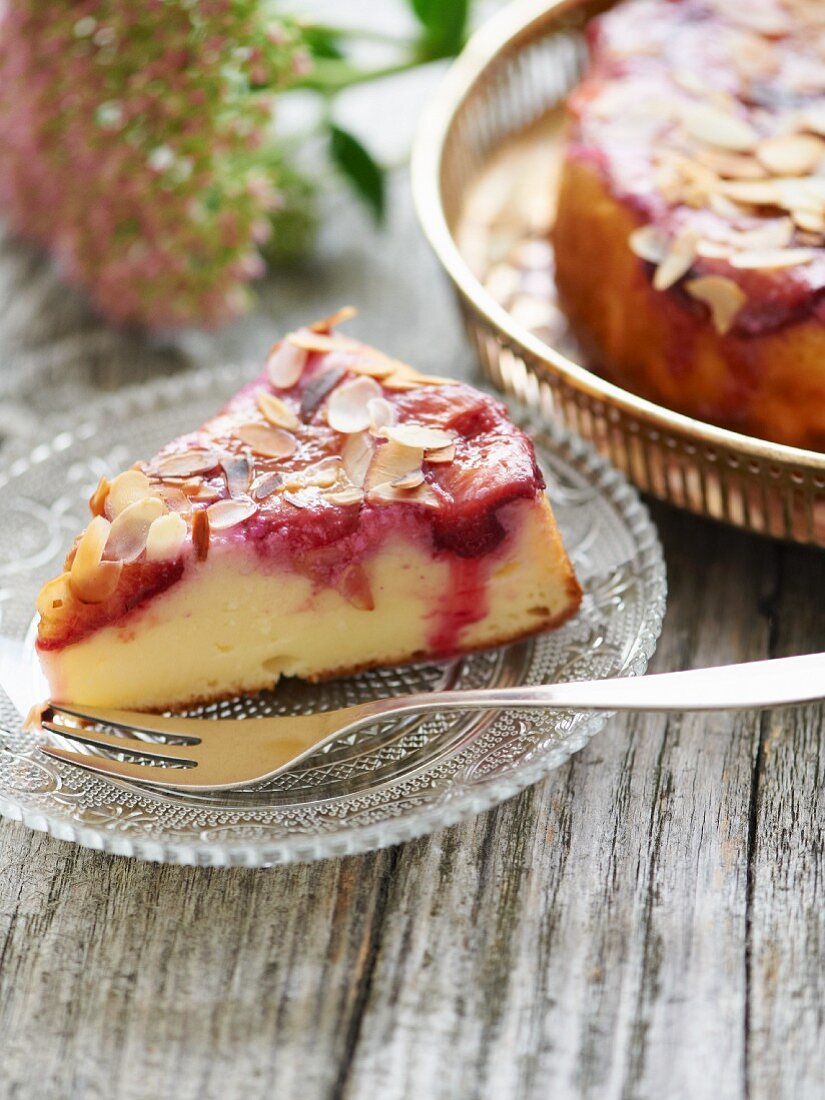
x=119, y=769
x=135, y=720
x=153, y=749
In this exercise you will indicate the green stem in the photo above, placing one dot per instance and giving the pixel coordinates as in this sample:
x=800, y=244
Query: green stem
x=331, y=75
x=362, y=33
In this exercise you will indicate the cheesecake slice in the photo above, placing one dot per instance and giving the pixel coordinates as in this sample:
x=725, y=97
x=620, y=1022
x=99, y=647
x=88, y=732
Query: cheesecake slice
x=341, y=512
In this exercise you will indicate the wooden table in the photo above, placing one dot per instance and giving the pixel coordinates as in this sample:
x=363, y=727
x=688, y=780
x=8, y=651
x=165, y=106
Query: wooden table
x=647, y=922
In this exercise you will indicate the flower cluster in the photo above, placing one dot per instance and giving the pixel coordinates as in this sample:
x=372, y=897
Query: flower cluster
x=136, y=146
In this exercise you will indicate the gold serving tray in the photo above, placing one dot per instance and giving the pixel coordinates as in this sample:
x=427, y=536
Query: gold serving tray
x=510, y=77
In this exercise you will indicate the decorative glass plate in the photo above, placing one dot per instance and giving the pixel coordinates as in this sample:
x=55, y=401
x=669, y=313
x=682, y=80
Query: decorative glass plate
x=385, y=784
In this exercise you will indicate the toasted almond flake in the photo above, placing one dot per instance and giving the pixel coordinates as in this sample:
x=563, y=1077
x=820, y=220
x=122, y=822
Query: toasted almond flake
x=92, y=579
x=418, y=436
x=409, y=481
x=732, y=166
x=265, y=485
x=791, y=154
x=392, y=461
x=174, y=498
x=357, y=455
x=285, y=364
x=392, y=494
x=810, y=221
x=200, y=534
x=400, y=383
x=677, y=261
x=772, y=233
x=54, y=595
x=381, y=413
x=648, y=243
x=813, y=119
x=441, y=455
x=719, y=128
x=802, y=194
x=348, y=405
x=277, y=412
x=165, y=537
x=350, y=494
x=97, y=501
x=308, y=340
x=376, y=366
x=266, y=441
x=127, y=536
x=345, y=313
x=770, y=258
x=723, y=297
x=323, y=474
x=752, y=192
x=714, y=250
x=124, y=490
x=187, y=463
x=689, y=81
x=237, y=473
x=297, y=500
x=229, y=513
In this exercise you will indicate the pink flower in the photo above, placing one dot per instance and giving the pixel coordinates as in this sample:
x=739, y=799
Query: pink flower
x=126, y=130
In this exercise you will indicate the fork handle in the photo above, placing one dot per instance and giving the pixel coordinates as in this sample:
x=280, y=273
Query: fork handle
x=771, y=683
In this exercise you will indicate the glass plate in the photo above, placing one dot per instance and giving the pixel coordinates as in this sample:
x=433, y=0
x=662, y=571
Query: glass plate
x=388, y=783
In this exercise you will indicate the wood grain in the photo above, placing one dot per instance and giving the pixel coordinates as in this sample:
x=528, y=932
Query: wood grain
x=647, y=922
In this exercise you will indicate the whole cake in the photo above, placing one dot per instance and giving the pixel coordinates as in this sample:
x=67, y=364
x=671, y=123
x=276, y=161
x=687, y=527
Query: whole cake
x=343, y=511
x=691, y=210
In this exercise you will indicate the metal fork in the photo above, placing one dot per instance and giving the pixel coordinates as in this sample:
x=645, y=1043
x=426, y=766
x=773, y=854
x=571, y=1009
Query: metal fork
x=219, y=754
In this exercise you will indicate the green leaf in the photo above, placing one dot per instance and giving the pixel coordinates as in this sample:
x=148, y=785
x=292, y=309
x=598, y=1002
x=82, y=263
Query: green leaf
x=322, y=41
x=444, y=23
x=358, y=165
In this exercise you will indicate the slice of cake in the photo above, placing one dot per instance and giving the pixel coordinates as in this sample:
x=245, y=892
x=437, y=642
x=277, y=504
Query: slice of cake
x=691, y=214
x=343, y=511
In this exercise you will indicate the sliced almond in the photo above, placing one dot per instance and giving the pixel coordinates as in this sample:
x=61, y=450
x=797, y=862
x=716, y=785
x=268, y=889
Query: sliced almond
x=752, y=192
x=719, y=128
x=285, y=364
x=391, y=462
x=266, y=441
x=381, y=413
x=376, y=365
x=345, y=313
x=731, y=166
x=357, y=456
x=317, y=389
x=648, y=243
x=723, y=297
x=802, y=194
x=187, y=463
x=348, y=405
x=418, y=436
x=772, y=233
x=410, y=481
x=400, y=382
x=229, y=513
x=54, y=596
x=791, y=154
x=441, y=455
x=97, y=501
x=124, y=490
x=265, y=485
x=237, y=473
x=392, y=494
x=92, y=579
x=810, y=221
x=771, y=258
x=200, y=534
x=323, y=474
x=165, y=537
x=677, y=261
x=277, y=412
x=174, y=498
x=130, y=528
x=308, y=340
x=350, y=494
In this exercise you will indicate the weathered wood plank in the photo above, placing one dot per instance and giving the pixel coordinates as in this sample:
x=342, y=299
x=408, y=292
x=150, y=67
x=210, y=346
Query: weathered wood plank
x=786, y=1001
